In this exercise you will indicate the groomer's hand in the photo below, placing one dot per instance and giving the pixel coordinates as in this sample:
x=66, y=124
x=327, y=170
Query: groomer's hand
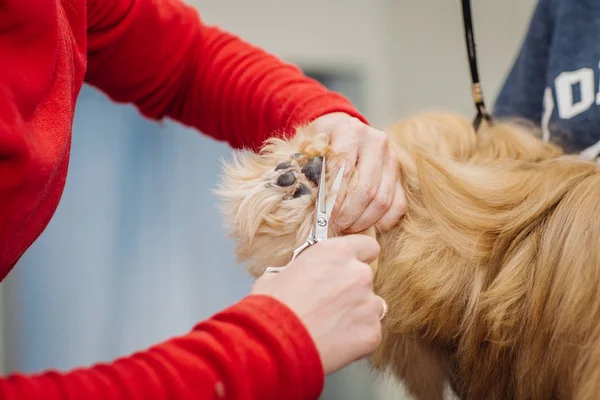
x=330, y=287
x=378, y=199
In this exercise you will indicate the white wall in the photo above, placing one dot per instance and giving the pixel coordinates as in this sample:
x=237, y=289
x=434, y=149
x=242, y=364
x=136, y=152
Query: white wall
x=429, y=58
x=336, y=33
x=412, y=52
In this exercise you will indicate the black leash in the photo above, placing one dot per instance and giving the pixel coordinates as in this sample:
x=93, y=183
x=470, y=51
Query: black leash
x=476, y=86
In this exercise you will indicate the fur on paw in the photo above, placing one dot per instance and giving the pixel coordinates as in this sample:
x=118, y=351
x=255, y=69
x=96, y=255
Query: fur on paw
x=268, y=197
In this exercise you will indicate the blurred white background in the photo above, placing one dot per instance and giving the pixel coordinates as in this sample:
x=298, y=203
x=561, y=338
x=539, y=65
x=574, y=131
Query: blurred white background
x=136, y=254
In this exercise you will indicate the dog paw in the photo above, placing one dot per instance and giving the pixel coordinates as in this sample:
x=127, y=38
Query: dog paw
x=268, y=197
x=297, y=176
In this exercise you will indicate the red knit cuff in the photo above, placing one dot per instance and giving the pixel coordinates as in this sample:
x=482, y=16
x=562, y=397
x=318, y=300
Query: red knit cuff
x=294, y=336
x=339, y=104
x=317, y=106
x=288, y=343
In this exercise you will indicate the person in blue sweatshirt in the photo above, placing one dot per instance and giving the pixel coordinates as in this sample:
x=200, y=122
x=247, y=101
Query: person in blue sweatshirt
x=554, y=81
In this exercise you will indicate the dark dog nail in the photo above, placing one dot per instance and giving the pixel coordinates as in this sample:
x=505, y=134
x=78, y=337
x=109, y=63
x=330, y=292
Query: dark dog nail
x=283, y=165
x=312, y=170
x=286, y=179
x=301, y=191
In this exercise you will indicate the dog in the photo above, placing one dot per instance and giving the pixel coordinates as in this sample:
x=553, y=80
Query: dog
x=492, y=277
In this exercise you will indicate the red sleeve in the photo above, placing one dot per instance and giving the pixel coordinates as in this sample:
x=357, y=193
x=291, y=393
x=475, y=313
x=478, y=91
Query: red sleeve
x=160, y=56
x=255, y=350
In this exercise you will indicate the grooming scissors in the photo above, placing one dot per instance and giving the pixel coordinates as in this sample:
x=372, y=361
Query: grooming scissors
x=320, y=227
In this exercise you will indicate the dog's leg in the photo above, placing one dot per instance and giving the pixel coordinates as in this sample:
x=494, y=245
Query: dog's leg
x=422, y=371
x=419, y=367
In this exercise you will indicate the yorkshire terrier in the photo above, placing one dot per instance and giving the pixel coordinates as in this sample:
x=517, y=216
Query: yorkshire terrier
x=492, y=276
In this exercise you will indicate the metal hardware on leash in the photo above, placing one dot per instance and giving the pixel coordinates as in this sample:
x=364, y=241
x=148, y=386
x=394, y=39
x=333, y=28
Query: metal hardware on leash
x=476, y=91
x=320, y=227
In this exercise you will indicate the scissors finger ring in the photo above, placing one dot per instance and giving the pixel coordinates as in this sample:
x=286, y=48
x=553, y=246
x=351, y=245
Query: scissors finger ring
x=320, y=225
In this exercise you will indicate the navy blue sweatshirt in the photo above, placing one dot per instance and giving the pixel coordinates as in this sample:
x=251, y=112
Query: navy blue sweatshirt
x=554, y=81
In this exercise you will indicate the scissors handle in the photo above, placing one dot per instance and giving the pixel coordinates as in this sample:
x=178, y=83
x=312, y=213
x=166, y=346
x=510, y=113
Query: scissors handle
x=320, y=228
x=309, y=242
x=274, y=269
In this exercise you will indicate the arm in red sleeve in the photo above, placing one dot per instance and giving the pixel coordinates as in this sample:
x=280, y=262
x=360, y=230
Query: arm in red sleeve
x=160, y=56
x=255, y=350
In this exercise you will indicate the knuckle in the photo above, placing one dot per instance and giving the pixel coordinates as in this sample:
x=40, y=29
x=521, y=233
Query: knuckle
x=341, y=247
x=385, y=225
x=329, y=247
x=361, y=128
x=364, y=274
x=368, y=189
x=395, y=211
x=400, y=211
x=383, y=201
x=374, y=337
x=376, y=250
x=381, y=137
x=354, y=126
x=376, y=246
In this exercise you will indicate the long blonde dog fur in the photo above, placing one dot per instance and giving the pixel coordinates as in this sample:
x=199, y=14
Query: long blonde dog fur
x=492, y=277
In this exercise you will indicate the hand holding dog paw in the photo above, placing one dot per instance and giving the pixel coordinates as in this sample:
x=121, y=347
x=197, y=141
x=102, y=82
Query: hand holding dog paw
x=378, y=197
x=330, y=287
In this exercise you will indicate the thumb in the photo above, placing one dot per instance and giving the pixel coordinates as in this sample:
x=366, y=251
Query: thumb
x=363, y=247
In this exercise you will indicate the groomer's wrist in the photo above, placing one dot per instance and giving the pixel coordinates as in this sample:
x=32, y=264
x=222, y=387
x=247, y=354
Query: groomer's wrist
x=280, y=336
x=328, y=121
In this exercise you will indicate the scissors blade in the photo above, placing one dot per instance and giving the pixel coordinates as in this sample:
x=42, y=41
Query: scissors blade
x=335, y=189
x=325, y=206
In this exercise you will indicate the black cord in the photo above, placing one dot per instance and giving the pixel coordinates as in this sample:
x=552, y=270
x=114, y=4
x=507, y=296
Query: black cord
x=476, y=85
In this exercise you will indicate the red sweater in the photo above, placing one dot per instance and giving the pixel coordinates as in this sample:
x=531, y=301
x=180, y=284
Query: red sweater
x=158, y=55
